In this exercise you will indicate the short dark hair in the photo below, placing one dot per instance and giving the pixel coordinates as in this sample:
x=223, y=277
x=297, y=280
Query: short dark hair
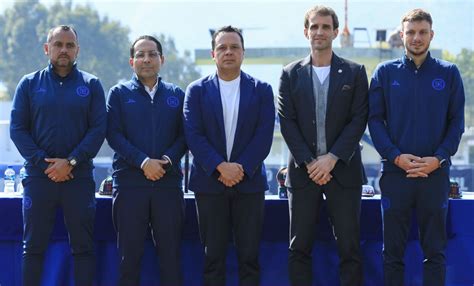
x=321, y=11
x=417, y=15
x=145, y=37
x=227, y=29
x=62, y=28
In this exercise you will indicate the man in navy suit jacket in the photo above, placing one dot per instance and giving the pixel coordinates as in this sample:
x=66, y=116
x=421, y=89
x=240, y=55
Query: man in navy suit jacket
x=228, y=120
x=323, y=114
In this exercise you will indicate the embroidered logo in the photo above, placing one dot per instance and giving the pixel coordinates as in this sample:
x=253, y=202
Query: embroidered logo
x=438, y=84
x=130, y=101
x=41, y=90
x=172, y=101
x=82, y=91
x=27, y=202
x=395, y=83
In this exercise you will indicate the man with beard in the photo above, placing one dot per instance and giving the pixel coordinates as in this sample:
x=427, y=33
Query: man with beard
x=416, y=119
x=58, y=124
x=323, y=114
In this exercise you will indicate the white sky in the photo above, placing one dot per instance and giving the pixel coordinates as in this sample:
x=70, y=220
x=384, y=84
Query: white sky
x=278, y=23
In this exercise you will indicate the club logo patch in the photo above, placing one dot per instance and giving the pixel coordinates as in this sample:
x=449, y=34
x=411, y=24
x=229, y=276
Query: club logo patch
x=82, y=91
x=27, y=203
x=438, y=84
x=172, y=101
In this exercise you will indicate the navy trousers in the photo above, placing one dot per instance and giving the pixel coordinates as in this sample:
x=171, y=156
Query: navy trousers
x=429, y=197
x=134, y=211
x=343, y=205
x=41, y=199
x=218, y=214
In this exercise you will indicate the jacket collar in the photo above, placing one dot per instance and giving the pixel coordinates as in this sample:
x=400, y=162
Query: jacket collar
x=408, y=62
x=69, y=76
x=137, y=84
x=337, y=73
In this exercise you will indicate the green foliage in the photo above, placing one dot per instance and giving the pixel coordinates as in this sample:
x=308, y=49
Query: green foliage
x=21, y=44
x=178, y=70
x=465, y=62
x=104, y=44
x=447, y=56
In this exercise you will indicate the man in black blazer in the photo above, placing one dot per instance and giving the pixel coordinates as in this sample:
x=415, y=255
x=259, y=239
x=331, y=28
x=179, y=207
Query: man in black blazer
x=323, y=108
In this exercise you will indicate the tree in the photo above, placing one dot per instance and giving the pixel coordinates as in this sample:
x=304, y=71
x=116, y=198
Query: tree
x=25, y=29
x=104, y=44
x=21, y=44
x=178, y=70
x=465, y=62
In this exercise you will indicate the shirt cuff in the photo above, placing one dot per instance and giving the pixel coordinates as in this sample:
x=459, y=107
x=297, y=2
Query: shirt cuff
x=164, y=157
x=333, y=156
x=144, y=162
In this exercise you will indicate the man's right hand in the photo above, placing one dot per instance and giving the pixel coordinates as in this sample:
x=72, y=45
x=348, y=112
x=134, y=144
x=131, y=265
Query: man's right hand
x=58, y=170
x=319, y=170
x=153, y=169
x=408, y=162
x=230, y=173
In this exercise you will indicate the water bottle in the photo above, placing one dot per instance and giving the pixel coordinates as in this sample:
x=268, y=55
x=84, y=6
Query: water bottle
x=22, y=175
x=9, y=180
x=282, y=192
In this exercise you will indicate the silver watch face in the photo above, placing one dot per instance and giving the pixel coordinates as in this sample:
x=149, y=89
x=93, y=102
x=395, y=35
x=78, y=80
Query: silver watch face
x=72, y=162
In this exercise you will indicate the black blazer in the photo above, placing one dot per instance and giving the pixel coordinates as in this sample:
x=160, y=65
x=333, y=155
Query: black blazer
x=346, y=119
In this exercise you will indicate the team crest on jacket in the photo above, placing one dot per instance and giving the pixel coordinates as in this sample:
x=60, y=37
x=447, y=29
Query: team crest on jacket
x=82, y=91
x=438, y=84
x=172, y=101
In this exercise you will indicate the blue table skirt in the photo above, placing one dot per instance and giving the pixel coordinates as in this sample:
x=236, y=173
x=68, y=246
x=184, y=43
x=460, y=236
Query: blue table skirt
x=273, y=255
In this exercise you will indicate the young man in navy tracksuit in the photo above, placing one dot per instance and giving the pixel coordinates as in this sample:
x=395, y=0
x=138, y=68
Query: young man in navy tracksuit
x=416, y=119
x=58, y=124
x=146, y=131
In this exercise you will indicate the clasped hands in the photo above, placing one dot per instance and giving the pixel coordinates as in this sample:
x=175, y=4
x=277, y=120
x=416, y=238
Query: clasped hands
x=319, y=170
x=417, y=167
x=58, y=170
x=230, y=173
x=154, y=169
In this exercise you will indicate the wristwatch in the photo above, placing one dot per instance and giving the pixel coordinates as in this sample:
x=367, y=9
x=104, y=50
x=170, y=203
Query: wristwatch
x=308, y=161
x=72, y=161
x=442, y=162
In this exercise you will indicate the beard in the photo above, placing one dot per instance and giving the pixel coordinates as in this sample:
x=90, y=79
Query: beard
x=63, y=61
x=416, y=52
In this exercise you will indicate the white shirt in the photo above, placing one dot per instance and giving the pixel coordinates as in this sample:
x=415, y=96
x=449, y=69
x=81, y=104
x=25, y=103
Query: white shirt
x=152, y=91
x=322, y=72
x=230, y=98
